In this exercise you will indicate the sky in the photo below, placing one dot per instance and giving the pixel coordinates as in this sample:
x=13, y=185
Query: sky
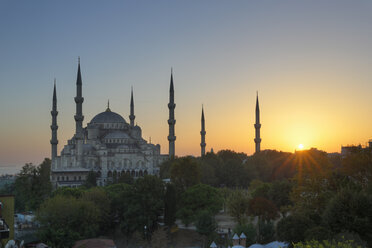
x=310, y=62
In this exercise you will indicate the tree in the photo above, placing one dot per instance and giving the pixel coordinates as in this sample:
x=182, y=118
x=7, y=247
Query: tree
x=170, y=205
x=125, y=178
x=196, y=199
x=142, y=205
x=327, y=244
x=67, y=191
x=350, y=211
x=279, y=194
x=266, y=232
x=249, y=230
x=32, y=186
x=65, y=219
x=91, y=180
x=208, y=174
x=205, y=224
x=263, y=208
x=118, y=194
x=293, y=227
x=238, y=205
x=100, y=199
x=185, y=172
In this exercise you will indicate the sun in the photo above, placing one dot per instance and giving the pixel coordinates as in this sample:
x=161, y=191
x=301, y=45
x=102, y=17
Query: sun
x=300, y=146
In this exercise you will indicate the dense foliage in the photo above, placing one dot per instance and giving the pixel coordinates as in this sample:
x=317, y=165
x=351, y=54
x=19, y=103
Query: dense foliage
x=31, y=187
x=309, y=195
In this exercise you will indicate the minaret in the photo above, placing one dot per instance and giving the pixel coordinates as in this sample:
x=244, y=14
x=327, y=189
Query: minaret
x=257, y=126
x=54, y=126
x=202, y=133
x=132, y=116
x=79, y=134
x=171, y=120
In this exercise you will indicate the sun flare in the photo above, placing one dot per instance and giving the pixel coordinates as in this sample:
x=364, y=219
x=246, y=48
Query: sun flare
x=300, y=146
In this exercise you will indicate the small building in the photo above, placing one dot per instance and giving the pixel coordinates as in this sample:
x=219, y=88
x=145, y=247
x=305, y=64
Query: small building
x=6, y=218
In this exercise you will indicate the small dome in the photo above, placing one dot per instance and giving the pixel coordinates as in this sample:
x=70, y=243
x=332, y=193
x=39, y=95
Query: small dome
x=107, y=117
x=235, y=236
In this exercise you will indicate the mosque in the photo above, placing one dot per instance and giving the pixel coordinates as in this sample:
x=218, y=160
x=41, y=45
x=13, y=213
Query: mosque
x=110, y=146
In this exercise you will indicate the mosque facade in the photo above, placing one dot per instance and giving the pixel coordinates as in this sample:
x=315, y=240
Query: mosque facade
x=108, y=146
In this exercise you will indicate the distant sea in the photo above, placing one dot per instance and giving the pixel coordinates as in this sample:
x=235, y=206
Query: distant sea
x=10, y=169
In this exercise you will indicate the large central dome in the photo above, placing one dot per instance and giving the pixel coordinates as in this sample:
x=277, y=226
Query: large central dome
x=107, y=117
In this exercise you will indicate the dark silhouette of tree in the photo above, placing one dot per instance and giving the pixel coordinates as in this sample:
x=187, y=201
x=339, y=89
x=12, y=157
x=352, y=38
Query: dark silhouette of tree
x=185, y=172
x=263, y=208
x=350, y=211
x=32, y=186
x=170, y=205
x=293, y=227
x=91, y=180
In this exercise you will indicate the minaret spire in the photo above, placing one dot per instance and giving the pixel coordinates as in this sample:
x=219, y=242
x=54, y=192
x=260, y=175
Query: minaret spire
x=132, y=116
x=54, y=126
x=202, y=133
x=108, y=105
x=171, y=120
x=79, y=133
x=257, y=126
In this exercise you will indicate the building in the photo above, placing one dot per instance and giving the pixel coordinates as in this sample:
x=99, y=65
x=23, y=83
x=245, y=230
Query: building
x=6, y=218
x=107, y=145
x=346, y=150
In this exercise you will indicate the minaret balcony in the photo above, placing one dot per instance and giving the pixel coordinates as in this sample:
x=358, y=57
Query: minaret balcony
x=171, y=105
x=203, y=132
x=171, y=138
x=79, y=117
x=171, y=121
x=54, y=112
x=79, y=99
x=257, y=140
x=53, y=127
x=257, y=125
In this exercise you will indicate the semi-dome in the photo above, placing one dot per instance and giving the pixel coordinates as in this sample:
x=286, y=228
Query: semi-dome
x=107, y=117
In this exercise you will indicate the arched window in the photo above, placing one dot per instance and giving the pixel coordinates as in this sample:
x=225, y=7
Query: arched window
x=145, y=172
x=109, y=174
